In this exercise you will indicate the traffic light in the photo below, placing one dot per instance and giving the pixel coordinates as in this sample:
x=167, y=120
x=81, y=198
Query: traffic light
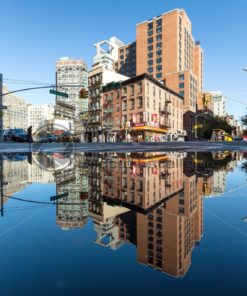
x=83, y=93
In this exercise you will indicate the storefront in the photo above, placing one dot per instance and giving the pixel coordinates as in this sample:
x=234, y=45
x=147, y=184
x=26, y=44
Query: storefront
x=144, y=134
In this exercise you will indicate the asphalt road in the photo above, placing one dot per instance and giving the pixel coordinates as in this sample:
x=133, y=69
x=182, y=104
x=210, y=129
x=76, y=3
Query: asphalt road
x=123, y=147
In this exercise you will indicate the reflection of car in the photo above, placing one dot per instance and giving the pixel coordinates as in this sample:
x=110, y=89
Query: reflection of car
x=47, y=138
x=67, y=137
x=15, y=134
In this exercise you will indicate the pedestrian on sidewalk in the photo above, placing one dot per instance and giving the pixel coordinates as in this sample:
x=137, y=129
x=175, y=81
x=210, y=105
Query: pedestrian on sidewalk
x=29, y=134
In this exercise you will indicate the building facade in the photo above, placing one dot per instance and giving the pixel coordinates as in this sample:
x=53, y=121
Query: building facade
x=126, y=63
x=219, y=103
x=15, y=116
x=142, y=109
x=39, y=115
x=71, y=72
x=166, y=49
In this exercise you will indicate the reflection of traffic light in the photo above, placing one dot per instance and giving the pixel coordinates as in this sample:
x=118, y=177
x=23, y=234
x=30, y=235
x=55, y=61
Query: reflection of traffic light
x=83, y=93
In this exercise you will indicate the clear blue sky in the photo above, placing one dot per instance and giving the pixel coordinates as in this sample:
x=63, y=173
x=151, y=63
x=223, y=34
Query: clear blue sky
x=36, y=33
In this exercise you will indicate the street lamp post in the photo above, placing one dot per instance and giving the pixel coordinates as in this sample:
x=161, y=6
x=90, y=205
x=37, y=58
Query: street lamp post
x=245, y=69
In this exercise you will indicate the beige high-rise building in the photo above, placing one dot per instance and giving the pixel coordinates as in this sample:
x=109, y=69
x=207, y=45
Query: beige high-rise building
x=71, y=72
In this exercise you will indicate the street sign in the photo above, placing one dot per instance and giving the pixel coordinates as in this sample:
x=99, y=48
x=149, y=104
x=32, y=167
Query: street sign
x=58, y=93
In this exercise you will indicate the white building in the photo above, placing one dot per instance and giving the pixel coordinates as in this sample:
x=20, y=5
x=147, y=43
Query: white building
x=219, y=102
x=38, y=115
x=107, y=52
x=71, y=72
x=15, y=116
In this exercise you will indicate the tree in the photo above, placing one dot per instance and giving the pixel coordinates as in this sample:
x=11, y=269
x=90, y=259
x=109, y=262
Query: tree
x=244, y=120
x=210, y=123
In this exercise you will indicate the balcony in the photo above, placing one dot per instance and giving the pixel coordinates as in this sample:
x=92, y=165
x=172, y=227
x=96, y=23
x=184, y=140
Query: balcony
x=165, y=125
x=165, y=111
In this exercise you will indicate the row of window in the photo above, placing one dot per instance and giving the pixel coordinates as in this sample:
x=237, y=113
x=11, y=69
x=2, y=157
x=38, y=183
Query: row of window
x=151, y=39
x=158, y=24
x=151, y=47
x=158, y=30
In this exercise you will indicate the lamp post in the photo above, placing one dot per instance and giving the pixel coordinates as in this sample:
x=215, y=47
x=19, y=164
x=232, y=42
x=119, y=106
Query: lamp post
x=199, y=115
x=245, y=69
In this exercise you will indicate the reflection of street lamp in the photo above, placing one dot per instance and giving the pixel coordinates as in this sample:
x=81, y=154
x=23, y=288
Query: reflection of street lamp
x=204, y=113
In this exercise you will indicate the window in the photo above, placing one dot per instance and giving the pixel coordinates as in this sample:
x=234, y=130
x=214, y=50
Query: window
x=132, y=104
x=159, y=60
x=150, y=40
x=150, y=70
x=158, y=37
x=121, y=57
x=150, y=32
x=150, y=26
x=139, y=102
x=159, y=45
x=158, y=75
x=150, y=54
x=159, y=52
x=181, y=85
x=159, y=30
x=132, y=90
x=159, y=68
x=124, y=105
x=150, y=47
x=159, y=22
x=122, y=50
x=181, y=77
x=181, y=93
x=139, y=87
x=141, y=117
x=150, y=62
x=124, y=91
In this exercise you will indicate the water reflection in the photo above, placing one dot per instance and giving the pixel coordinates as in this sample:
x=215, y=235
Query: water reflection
x=151, y=200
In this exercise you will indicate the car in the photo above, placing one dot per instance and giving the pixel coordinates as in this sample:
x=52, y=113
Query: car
x=238, y=139
x=47, y=138
x=15, y=135
x=67, y=137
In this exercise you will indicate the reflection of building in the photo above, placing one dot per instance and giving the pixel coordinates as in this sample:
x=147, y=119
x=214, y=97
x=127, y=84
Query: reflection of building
x=219, y=181
x=143, y=180
x=72, y=211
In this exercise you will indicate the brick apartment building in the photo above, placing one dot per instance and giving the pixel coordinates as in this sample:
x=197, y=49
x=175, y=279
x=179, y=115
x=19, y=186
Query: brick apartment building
x=166, y=49
x=142, y=109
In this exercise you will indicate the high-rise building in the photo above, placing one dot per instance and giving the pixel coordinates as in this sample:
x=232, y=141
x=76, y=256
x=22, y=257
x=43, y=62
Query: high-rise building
x=126, y=63
x=73, y=75
x=15, y=116
x=166, y=49
x=39, y=115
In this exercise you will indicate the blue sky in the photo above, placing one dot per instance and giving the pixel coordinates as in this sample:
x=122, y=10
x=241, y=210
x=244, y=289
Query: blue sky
x=36, y=33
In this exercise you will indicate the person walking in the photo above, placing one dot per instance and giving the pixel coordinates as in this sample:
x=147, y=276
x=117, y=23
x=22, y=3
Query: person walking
x=29, y=134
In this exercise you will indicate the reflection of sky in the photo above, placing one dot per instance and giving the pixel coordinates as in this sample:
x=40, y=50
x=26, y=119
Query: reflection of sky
x=37, y=257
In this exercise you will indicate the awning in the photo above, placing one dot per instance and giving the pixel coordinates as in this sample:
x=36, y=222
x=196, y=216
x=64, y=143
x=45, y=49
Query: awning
x=147, y=128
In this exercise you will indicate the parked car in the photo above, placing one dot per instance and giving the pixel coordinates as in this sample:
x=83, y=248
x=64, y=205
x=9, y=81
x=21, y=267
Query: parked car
x=244, y=138
x=15, y=134
x=67, y=137
x=47, y=138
